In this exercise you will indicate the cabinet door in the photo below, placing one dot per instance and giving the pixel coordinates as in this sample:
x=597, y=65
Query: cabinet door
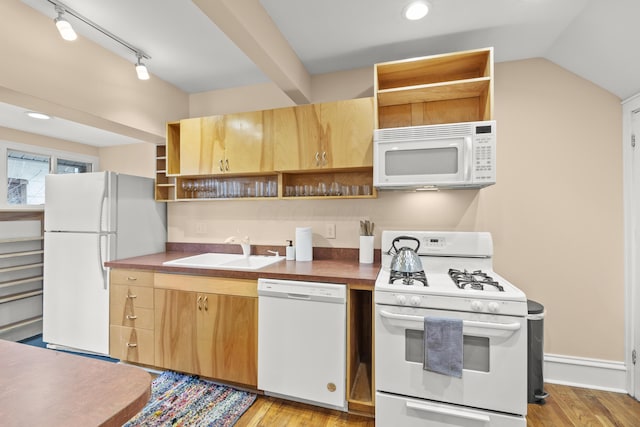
x=175, y=329
x=245, y=148
x=228, y=337
x=201, y=145
x=347, y=133
x=298, y=135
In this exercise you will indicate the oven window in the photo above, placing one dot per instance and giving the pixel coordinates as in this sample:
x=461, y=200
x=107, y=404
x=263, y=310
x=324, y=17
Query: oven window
x=475, y=350
x=428, y=161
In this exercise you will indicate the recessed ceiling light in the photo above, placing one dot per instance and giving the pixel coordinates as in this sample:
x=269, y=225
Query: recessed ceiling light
x=416, y=10
x=36, y=115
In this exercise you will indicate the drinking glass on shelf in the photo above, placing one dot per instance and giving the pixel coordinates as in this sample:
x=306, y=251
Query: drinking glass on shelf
x=288, y=191
x=186, y=187
x=334, y=190
x=366, y=190
x=346, y=190
x=355, y=190
x=272, y=188
x=322, y=189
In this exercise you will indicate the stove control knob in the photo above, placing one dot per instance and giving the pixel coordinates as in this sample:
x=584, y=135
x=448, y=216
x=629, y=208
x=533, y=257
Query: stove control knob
x=493, y=307
x=401, y=299
x=476, y=306
x=415, y=300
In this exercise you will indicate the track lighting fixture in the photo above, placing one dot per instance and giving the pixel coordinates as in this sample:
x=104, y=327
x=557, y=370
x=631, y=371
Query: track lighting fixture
x=67, y=33
x=141, y=69
x=64, y=27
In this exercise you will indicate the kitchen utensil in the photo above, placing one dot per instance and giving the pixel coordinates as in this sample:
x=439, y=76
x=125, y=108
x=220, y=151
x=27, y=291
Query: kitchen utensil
x=406, y=260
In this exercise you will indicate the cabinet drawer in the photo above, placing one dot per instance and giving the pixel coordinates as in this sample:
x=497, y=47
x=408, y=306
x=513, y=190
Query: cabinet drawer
x=134, y=317
x=131, y=344
x=131, y=306
x=137, y=296
x=131, y=277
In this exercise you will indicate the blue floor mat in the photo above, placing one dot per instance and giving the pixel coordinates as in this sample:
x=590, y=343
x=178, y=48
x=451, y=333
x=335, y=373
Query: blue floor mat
x=36, y=341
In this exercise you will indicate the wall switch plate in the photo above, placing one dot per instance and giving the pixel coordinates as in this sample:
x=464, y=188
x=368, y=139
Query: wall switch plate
x=330, y=231
x=201, y=227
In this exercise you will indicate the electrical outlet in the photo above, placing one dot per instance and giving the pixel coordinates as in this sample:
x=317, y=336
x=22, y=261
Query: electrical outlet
x=330, y=231
x=201, y=227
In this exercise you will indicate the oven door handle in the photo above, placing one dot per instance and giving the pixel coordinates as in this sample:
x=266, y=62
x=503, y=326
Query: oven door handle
x=468, y=323
x=425, y=407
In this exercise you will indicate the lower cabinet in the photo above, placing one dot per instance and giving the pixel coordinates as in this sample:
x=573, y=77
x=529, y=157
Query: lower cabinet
x=207, y=333
x=131, y=316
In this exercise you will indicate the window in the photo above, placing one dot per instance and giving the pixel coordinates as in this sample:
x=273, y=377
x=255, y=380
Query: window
x=24, y=168
x=26, y=174
x=72, y=166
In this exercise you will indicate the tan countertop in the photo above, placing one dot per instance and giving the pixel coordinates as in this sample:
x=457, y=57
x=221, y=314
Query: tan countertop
x=322, y=270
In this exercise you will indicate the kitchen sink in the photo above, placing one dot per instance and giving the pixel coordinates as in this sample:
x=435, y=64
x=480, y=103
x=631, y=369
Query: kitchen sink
x=225, y=261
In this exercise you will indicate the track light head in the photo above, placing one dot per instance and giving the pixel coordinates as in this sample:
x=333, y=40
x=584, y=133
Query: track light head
x=141, y=69
x=64, y=27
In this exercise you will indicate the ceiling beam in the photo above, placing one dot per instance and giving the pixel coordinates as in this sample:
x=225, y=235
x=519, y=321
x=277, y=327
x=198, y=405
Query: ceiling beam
x=248, y=25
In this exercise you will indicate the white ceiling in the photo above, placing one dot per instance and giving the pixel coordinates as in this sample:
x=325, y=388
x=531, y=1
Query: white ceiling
x=592, y=38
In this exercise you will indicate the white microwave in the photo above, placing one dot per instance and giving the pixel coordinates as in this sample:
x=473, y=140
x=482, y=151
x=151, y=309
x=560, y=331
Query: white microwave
x=455, y=155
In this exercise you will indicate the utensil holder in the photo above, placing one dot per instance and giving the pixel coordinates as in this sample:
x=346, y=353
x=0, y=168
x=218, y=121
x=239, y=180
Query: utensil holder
x=366, y=249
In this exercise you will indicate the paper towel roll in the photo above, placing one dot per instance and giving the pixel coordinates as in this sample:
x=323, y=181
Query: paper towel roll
x=304, y=244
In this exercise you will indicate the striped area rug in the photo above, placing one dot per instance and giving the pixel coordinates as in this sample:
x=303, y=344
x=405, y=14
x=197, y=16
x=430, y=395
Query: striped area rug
x=184, y=400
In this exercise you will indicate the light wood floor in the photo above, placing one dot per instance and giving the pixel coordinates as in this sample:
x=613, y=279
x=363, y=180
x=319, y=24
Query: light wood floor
x=565, y=406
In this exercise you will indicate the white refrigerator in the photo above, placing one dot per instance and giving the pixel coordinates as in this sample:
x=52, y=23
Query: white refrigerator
x=89, y=219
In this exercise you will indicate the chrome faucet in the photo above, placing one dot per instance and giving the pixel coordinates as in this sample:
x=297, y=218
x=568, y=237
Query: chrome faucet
x=244, y=243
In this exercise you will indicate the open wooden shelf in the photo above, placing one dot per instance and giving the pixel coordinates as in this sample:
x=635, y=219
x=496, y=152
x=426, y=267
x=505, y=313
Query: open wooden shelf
x=472, y=88
x=448, y=88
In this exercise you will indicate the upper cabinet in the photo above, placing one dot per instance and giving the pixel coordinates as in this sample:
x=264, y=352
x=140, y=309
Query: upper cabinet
x=231, y=143
x=448, y=88
x=332, y=135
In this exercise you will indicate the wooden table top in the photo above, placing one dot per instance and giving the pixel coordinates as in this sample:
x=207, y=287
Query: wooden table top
x=46, y=387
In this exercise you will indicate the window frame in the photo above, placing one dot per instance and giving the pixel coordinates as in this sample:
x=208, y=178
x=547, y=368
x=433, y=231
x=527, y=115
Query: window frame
x=53, y=154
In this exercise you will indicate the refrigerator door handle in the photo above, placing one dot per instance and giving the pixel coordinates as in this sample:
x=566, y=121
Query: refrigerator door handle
x=102, y=200
x=103, y=269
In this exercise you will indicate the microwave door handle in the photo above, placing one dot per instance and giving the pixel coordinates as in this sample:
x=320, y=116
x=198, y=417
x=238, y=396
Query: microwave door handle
x=426, y=407
x=468, y=323
x=468, y=154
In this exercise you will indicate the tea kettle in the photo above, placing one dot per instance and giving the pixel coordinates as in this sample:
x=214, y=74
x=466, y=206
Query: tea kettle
x=405, y=259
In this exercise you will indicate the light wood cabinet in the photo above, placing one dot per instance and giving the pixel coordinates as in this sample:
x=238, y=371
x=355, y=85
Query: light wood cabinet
x=447, y=88
x=207, y=327
x=272, y=149
x=165, y=184
x=332, y=135
x=131, y=316
x=231, y=143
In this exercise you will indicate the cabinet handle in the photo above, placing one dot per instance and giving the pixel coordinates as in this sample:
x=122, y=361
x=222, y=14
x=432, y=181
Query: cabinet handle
x=131, y=344
x=206, y=303
x=317, y=158
x=132, y=278
x=221, y=166
x=131, y=317
x=226, y=161
x=132, y=296
x=200, y=303
x=324, y=158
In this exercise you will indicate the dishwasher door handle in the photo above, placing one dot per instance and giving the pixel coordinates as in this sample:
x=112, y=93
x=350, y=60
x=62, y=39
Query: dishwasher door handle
x=299, y=296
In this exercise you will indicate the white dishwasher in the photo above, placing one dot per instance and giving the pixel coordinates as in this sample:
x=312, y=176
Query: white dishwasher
x=302, y=341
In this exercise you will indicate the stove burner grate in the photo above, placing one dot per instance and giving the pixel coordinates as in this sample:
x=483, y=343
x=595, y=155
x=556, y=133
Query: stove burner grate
x=476, y=280
x=408, y=278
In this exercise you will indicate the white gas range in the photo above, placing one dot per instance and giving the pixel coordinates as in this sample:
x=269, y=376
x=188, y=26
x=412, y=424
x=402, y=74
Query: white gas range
x=458, y=285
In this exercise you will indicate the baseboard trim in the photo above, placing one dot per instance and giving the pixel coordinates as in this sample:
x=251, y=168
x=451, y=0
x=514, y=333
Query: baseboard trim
x=586, y=373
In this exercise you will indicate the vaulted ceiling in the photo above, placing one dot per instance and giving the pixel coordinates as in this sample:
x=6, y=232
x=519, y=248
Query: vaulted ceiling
x=204, y=45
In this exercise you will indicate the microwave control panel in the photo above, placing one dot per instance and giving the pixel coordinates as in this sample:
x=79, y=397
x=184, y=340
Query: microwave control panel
x=484, y=154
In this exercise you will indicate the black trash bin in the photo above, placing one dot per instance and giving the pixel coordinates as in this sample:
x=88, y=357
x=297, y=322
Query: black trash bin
x=535, y=331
